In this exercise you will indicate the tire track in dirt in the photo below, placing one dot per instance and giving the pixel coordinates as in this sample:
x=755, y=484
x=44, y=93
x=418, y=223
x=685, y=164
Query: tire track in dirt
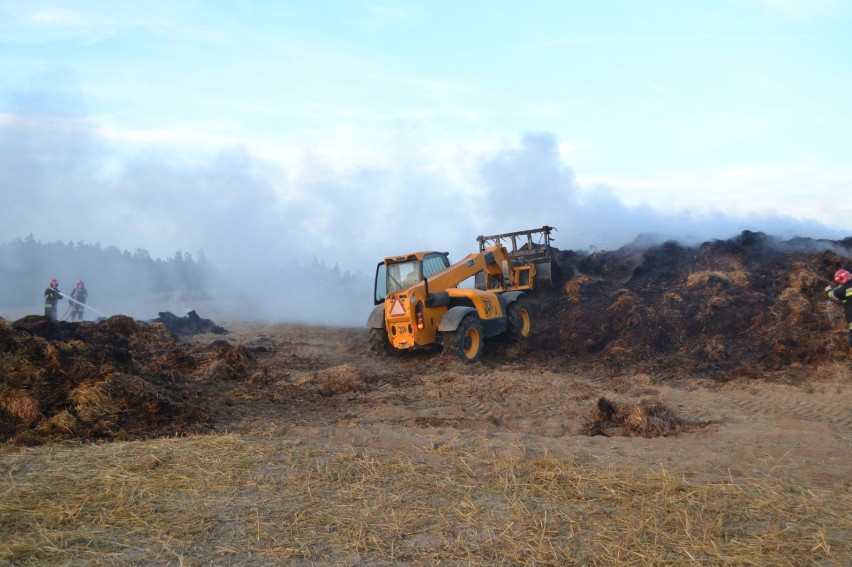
x=802, y=406
x=776, y=403
x=518, y=404
x=482, y=399
x=543, y=403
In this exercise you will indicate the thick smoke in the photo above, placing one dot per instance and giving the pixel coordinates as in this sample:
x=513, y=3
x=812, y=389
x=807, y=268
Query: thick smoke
x=58, y=186
x=531, y=181
x=298, y=242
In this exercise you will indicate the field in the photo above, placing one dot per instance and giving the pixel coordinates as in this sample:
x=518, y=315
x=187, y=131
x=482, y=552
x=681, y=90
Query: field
x=326, y=454
x=673, y=406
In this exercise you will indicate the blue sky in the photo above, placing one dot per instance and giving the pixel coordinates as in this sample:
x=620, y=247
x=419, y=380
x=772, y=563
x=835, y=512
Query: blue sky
x=351, y=130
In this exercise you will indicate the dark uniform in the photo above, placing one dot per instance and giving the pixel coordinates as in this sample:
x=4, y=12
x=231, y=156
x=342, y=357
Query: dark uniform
x=79, y=294
x=843, y=294
x=51, y=297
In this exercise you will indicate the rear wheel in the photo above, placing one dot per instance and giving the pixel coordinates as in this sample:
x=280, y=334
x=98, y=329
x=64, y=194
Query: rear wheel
x=467, y=341
x=380, y=344
x=519, y=323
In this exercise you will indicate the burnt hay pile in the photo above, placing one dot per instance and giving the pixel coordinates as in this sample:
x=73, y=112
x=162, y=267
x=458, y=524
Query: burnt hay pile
x=191, y=324
x=648, y=418
x=745, y=307
x=740, y=307
x=115, y=379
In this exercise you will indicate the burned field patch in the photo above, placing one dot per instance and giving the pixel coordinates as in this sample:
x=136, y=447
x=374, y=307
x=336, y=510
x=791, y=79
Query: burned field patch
x=749, y=308
x=751, y=305
x=113, y=379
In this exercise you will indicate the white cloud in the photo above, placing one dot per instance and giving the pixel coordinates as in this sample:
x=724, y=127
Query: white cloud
x=798, y=191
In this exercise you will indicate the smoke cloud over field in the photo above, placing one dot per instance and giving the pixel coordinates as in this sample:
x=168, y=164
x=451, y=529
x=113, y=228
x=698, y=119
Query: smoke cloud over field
x=531, y=181
x=298, y=238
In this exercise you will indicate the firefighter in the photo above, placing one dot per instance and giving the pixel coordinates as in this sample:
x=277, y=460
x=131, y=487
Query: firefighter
x=842, y=293
x=51, y=296
x=79, y=295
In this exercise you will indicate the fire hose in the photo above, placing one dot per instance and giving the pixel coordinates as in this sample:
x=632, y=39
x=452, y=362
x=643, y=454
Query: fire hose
x=81, y=305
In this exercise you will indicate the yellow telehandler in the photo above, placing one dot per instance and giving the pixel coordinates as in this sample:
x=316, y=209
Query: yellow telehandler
x=418, y=303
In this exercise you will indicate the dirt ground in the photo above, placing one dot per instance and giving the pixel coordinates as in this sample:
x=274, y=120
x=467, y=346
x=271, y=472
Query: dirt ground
x=325, y=387
x=722, y=360
x=283, y=444
x=722, y=370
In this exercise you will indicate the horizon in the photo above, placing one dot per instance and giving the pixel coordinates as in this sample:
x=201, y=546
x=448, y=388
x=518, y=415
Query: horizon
x=318, y=294
x=642, y=241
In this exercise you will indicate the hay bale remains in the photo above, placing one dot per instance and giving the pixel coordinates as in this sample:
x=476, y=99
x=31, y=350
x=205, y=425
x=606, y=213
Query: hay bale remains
x=339, y=380
x=574, y=288
x=702, y=278
x=191, y=324
x=19, y=404
x=749, y=303
x=648, y=418
x=226, y=362
x=92, y=402
x=111, y=379
x=217, y=370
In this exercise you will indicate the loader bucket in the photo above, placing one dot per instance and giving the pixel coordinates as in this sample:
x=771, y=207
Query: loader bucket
x=545, y=274
x=530, y=248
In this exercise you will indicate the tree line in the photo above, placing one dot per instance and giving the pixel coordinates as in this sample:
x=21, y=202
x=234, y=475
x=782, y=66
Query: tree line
x=27, y=265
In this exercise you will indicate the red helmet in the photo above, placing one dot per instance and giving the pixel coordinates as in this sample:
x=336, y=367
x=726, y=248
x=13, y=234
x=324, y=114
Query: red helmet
x=842, y=276
x=54, y=283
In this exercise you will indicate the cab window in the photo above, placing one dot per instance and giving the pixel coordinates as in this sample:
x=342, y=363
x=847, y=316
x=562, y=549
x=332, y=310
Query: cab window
x=434, y=263
x=402, y=275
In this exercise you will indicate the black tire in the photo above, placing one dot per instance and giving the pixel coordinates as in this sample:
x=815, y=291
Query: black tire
x=467, y=341
x=519, y=323
x=380, y=344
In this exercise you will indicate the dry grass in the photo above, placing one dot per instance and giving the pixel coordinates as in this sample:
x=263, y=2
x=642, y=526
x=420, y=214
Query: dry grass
x=737, y=278
x=837, y=372
x=92, y=401
x=19, y=403
x=803, y=278
x=226, y=500
x=574, y=288
x=339, y=380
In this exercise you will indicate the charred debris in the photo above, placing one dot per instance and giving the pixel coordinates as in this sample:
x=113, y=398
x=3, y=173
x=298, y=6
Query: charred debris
x=752, y=307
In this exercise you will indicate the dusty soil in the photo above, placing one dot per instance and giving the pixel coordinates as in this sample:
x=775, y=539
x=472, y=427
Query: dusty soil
x=324, y=387
x=316, y=446
x=722, y=367
x=716, y=361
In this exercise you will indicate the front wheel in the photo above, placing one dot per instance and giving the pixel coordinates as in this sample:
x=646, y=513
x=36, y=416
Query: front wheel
x=467, y=341
x=519, y=324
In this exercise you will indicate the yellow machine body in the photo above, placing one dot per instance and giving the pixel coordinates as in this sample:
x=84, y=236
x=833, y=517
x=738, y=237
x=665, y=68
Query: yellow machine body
x=419, y=303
